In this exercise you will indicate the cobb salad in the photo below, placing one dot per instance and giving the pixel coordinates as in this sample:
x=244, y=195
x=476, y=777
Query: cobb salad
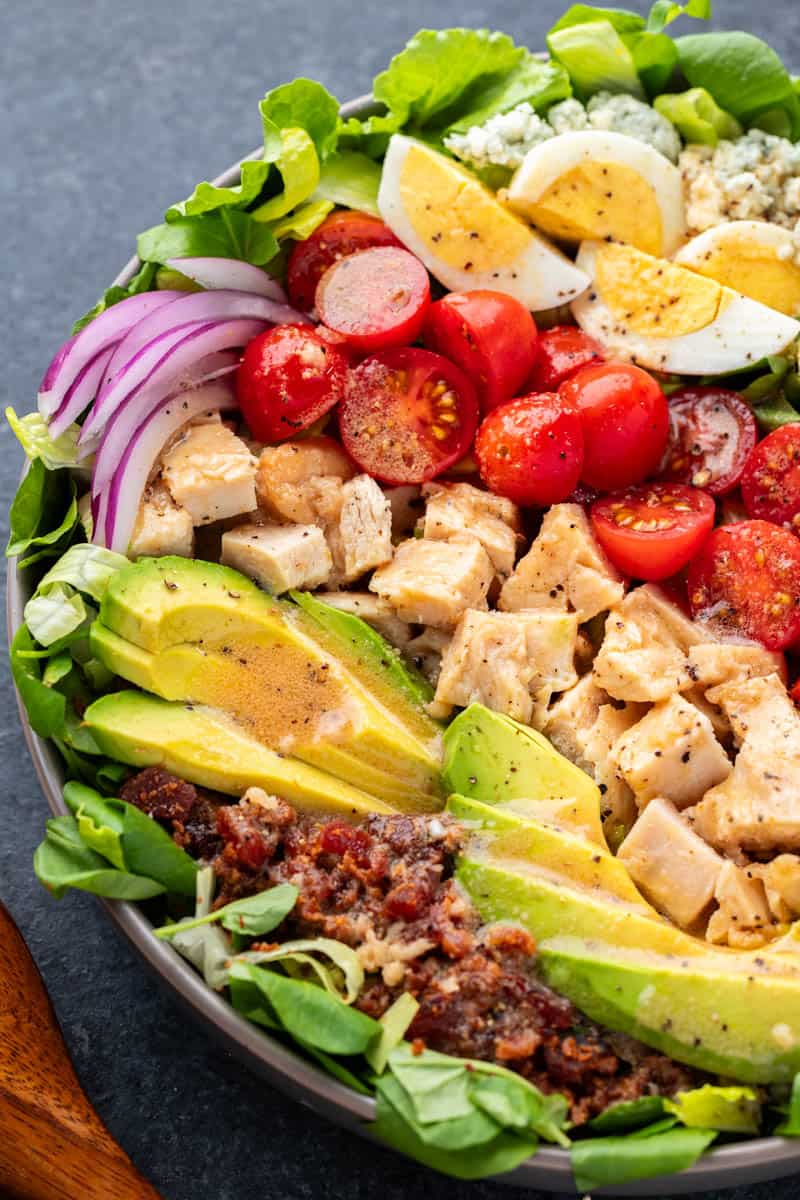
x=412, y=549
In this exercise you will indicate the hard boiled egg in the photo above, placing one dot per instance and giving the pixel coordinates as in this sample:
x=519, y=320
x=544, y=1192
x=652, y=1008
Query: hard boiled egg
x=665, y=317
x=758, y=259
x=596, y=184
x=463, y=234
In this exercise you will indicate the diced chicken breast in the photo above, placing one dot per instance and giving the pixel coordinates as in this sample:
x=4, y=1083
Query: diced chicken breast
x=781, y=879
x=279, y=557
x=674, y=868
x=714, y=663
x=508, y=661
x=564, y=567
x=162, y=526
x=756, y=808
x=210, y=472
x=365, y=528
x=301, y=481
x=376, y=612
x=407, y=505
x=644, y=652
x=457, y=508
x=433, y=583
x=672, y=752
x=743, y=918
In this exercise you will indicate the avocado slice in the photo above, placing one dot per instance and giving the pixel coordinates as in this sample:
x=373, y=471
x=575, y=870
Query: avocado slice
x=211, y=751
x=492, y=758
x=727, y=1011
x=190, y=630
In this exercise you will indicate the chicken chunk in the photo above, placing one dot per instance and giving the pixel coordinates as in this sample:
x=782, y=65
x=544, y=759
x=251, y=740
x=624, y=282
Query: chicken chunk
x=279, y=557
x=674, y=868
x=714, y=663
x=755, y=809
x=433, y=583
x=302, y=481
x=644, y=652
x=672, y=752
x=162, y=526
x=564, y=568
x=508, y=661
x=458, y=508
x=211, y=473
x=743, y=918
x=781, y=879
x=376, y=612
x=365, y=528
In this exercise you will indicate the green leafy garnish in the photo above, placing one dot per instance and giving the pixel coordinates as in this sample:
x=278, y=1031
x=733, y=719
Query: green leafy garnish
x=628, y=1115
x=251, y=916
x=611, y=1161
x=63, y=860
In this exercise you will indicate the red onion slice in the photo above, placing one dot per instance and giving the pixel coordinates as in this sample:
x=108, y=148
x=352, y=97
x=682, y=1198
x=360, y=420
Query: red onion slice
x=105, y=330
x=81, y=394
x=145, y=443
x=232, y=273
x=182, y=367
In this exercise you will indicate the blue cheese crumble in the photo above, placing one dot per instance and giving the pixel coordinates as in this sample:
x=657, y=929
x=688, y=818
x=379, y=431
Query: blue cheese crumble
x=756, y=177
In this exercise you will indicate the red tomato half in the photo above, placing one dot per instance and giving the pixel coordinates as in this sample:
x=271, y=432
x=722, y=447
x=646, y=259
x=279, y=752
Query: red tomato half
x=771, y=479
x=376, y=298
x=651, y=532
x=711, y=433
x=407, y=415
x=531, y=450
x=746, y=580
x=625, y=422
x=340, y=234
x=289, y=377
x=561, y=352
x=490, y=335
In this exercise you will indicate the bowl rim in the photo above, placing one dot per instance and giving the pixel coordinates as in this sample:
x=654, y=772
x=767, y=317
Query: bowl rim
x=737, y=1164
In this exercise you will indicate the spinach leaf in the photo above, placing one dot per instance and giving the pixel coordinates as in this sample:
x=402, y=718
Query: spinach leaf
x=252, y=916
x=44, y=511
x=790, y=1125
x=312, y=1015
x=744, y=75
x=63, y=860
x=628, y=1115
x=664, y=12
x=336, y=1069
x=45, y=707
x=611, y=1161
x=515, y=1104
x=224, y=233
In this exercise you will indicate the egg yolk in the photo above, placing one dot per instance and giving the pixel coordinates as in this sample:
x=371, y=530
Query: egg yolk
x=754, y=270
x=458, y=219
x=597, y=200
x=654, y=297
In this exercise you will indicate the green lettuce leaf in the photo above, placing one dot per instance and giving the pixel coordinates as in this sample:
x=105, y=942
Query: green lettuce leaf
x=224, y=233
x=697, y=116
x=350, y=179
x=611, y=1161
x=298, y=164
x=206, y=197
x=538, y=83
x=596, y=58
x=33, y=435
x=628, y=1115
x=87, y=568
x=745, y=77
x=394, y=1023
x=252, y=916
x=56, y=612
x=728, y=1109
x=44, y=512
x=664, y=12
x=303, y=221
x=63, y=860
x=344, y=979
x=303, y=104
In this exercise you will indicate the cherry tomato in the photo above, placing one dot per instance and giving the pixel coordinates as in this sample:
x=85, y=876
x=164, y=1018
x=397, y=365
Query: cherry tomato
x=795, y=693
x=289, y=377
x=531, y=450
x=407, y=415
x=746, y=580
x=711, y=433
x=490, y=335
x=561, y=352
x=376, y=298
x=650, y=532
x=771, y=479
x=340, y=234
x=625, y=422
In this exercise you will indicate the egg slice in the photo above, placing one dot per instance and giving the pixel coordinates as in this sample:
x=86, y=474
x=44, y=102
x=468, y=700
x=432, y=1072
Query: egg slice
x=463, y=234
x=597, y=184
x=759, y=260
x=665, y=317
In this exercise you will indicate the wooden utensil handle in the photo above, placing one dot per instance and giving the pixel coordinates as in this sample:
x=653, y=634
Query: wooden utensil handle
x=53, y=1145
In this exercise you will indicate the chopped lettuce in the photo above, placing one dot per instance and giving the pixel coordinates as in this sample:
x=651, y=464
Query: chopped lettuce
x=351, y=179
x=55, y=613
x=206, y=197
x=540, y=84
x=728, y=1109
x=86, y=567
x=697, y=116
x=596, y=58
x=33, y=435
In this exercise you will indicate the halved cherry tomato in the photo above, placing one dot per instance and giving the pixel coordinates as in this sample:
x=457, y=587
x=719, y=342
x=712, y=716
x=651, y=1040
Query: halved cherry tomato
x=376, y=298
x=771, y=479
x=340, y=234
x=407, y=415
x=490, y=335
x=711, y=433
x=289, y=377
x=650, y=532
x=561, y=352
x=531, y=450
x=625, y=423
x=746, y=580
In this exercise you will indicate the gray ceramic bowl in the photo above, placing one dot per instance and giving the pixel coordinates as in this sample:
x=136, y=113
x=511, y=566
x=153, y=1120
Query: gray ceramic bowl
x=735, y=1165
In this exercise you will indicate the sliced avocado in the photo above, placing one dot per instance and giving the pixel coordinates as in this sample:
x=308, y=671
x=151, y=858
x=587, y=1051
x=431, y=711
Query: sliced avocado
x=207, y=749
x=190, y=630
x=493, y=758
x=624, y=966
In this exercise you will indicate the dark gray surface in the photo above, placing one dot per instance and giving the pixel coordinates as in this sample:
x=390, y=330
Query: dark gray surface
x=109, y=111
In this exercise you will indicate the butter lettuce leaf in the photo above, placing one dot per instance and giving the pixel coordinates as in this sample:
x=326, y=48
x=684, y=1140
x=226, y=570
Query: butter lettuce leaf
x=596, y=58
x=728, y=1109
x=351, y=179
x=33, y=435
x=538, y=83
x=224, y=233
x=207, y=197
x=302, y=104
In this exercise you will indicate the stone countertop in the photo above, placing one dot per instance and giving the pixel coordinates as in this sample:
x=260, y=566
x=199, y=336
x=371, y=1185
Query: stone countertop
x=111, y=111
